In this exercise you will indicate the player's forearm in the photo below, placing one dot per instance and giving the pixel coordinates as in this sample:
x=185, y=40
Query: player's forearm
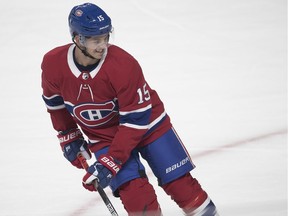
x=125, y=140
x=62, y=120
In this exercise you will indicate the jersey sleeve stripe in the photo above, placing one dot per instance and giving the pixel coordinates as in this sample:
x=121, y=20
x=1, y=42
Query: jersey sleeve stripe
x=148, y=126
x=136, y=111
x=55, y=107
x=135, y=126
x=54, y=102
x=51, y=97
x=136, y=119
x=157, y=120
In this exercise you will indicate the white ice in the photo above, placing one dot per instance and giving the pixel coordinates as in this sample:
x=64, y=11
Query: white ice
x=219, y=66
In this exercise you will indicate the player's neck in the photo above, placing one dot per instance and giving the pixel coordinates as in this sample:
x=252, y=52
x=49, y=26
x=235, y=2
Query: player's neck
x=82, y=59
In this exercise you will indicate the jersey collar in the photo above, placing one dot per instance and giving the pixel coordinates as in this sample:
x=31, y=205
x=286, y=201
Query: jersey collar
x=74, y=68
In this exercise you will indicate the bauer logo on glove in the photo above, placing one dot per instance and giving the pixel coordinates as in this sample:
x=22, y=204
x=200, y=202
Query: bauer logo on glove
x=110, y=164
x=102, y=170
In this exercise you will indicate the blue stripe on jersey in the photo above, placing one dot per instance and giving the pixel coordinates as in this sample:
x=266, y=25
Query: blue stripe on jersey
x=54, y=102
x=137, y=119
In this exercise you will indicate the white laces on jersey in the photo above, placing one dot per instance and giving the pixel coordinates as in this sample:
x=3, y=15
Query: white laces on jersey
x=85, y=87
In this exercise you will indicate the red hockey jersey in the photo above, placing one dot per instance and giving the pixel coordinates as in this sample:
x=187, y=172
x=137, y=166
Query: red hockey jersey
x=112, y=104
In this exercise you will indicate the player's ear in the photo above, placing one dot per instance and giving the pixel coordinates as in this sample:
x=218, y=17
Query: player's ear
x=76, y=39
x=79, y=40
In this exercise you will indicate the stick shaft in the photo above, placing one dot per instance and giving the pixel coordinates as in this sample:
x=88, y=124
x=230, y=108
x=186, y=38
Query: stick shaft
x=99, y=188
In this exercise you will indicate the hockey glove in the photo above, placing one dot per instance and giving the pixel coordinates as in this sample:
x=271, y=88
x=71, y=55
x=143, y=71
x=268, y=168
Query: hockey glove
x=72, y=144
x=101, y=171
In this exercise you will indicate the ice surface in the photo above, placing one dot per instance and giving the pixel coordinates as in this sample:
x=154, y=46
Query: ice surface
x=219, y=66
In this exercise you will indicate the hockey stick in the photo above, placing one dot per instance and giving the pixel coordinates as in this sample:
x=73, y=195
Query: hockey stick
x=99, y=188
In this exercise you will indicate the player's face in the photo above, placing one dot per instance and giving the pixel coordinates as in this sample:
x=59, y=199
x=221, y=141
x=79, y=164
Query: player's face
x=96, y=45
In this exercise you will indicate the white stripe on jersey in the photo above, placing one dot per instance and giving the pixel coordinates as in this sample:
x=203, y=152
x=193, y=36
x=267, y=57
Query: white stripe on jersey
x=136, y=126
x=135, y=111
x=51, y=97
x=149, y=126
x=55, y=107
x=69, y=103
x=152, y=124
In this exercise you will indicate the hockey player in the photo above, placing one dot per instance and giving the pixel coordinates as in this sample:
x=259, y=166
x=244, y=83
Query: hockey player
x=100, y=88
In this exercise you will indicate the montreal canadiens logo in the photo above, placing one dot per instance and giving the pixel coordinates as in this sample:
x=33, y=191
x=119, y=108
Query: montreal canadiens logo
x=78, y=13
x=92, y=115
